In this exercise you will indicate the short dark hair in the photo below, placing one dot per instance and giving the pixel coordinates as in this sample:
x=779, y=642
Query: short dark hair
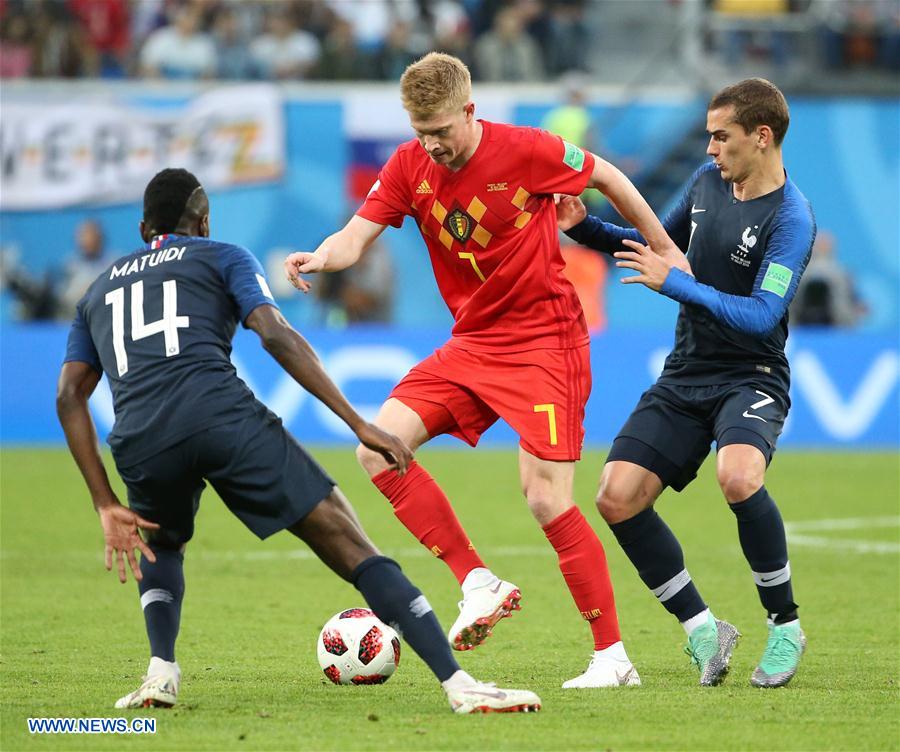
x=166, y=196
x=756, y=102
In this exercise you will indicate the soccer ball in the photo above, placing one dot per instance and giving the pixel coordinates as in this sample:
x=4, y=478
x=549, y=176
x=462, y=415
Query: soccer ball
x=356, y=647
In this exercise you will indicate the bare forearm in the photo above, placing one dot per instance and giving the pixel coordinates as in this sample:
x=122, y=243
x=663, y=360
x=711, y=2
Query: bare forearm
x=339, y=251
x=629, y=203
x=298, y=358
x=81, y=437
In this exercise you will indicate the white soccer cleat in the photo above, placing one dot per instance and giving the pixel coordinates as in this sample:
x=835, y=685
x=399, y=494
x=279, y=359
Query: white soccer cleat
x=160, y=687
x=480, y=610
x=486, y=698
x=608, y=668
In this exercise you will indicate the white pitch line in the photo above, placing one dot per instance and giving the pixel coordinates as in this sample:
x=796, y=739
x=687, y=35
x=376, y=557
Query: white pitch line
x=796, y=534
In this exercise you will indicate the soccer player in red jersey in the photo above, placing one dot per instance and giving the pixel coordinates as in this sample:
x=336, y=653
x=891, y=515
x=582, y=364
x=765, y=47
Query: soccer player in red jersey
x=482, y=195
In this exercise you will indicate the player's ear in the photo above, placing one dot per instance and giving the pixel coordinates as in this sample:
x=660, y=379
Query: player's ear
x=204, y=226
x=764, y=136
x=469, y=110
x=142, y=229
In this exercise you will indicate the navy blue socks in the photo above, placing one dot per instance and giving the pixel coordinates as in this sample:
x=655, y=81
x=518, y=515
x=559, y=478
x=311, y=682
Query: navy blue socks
x=162, y=590
x=396, y=601
x=656, y=554
x=761, y=532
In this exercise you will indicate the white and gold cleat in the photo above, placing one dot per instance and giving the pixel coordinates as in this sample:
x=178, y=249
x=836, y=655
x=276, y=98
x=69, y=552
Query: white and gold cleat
x=486, y=698
x=480, y=610
x=608, y=668
x=160, y=687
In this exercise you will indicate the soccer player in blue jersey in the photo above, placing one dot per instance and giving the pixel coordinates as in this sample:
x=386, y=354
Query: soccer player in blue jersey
x=747, y=232
x=159, y=323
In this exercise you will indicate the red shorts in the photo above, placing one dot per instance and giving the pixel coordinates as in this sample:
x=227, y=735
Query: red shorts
x=540, y=393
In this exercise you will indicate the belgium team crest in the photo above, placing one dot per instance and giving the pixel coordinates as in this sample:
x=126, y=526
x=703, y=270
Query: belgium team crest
x=459, y=225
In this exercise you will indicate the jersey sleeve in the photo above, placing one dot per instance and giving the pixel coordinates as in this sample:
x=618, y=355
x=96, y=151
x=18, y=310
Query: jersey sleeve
x=80, y=346
x=244, y=280
x=558, y=166
x=788, y=249
x=389, y=199
x=607, y=237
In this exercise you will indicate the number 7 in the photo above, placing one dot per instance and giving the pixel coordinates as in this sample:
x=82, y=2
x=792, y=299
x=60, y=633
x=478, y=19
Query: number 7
x=550, y=409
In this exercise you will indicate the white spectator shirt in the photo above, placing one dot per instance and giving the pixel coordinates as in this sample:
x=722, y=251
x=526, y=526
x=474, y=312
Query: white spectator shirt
x=176, y=56
x=274, y=54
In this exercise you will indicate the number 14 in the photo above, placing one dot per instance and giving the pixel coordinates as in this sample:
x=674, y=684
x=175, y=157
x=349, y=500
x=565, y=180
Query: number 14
x=168, y=325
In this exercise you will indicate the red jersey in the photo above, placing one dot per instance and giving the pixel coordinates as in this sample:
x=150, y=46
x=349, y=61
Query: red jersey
x=490, y=228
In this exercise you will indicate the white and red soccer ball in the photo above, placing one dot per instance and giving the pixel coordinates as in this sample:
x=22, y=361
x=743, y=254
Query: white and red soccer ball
x=356, y=647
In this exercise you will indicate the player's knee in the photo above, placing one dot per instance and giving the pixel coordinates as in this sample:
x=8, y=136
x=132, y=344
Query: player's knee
x=615, y=502
x=372, y=462
x=738, y=483
x=545, y=508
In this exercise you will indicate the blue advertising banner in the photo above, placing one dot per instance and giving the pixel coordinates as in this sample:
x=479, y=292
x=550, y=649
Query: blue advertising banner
x=845, y=393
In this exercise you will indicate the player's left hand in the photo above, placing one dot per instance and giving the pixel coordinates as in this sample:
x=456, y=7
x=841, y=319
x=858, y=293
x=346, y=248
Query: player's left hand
x=120, y=530
x=652, y=268
x=302, y=262
x=386, y=444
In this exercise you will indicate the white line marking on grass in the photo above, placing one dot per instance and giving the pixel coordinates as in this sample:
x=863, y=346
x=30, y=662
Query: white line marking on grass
x=796, y=534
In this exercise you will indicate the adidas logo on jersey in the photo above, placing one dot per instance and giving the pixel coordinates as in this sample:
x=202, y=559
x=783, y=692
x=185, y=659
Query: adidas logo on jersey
x=424, y=187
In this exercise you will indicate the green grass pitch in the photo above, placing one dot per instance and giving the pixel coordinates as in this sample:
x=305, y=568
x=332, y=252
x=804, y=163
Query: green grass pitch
x=73, y=640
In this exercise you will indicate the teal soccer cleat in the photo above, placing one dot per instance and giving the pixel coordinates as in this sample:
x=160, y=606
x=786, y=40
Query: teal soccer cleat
x=781, y=657
x=710, y=648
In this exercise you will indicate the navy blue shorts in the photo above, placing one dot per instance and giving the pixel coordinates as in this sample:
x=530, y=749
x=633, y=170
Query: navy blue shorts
x=672, y=427
x=261, y=472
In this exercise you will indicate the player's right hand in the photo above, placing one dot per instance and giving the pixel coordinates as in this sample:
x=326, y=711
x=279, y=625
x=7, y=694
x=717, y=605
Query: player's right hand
x=120, y=529
x=570, y=211
x=386, y=444
x=302, y=262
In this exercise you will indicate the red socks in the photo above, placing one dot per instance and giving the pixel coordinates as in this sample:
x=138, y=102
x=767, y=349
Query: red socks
x=582, y=562
x=421, y=505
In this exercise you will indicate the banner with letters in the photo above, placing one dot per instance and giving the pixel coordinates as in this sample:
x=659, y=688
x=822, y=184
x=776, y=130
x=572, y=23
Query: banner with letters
x=62, y=153
x=845, y=391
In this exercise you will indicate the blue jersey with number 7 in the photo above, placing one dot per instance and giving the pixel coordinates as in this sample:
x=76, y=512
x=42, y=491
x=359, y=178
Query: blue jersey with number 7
x=159, y=323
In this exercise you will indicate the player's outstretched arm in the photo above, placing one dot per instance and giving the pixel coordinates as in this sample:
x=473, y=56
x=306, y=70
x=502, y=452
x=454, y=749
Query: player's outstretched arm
x=298, y=358
x=626, y=199
x=336, y=252
x=77, y=382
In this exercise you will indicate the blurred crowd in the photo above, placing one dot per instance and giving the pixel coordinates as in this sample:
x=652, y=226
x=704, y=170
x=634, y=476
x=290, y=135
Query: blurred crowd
x=851, y=34
x=520, y=40
x=501, y=40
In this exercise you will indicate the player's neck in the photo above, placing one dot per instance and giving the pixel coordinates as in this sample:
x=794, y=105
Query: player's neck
x=767, y=178
x=478, y=132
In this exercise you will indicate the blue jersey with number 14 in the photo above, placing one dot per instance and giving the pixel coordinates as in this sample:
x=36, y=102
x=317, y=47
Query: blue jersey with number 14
x=159, y=323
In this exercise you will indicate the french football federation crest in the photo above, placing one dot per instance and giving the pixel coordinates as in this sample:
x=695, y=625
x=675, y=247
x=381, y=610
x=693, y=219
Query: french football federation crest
x=459, y=225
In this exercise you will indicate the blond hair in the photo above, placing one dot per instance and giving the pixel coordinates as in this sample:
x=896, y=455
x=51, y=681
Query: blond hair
x=435, y=84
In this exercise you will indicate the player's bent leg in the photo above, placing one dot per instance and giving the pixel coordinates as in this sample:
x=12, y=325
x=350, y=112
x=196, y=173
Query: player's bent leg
x=399, y=603
x=418, y=501
x=547, y=486
x=333, y=532
x=625, y=500
x=162, y=591
x=741, y=471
